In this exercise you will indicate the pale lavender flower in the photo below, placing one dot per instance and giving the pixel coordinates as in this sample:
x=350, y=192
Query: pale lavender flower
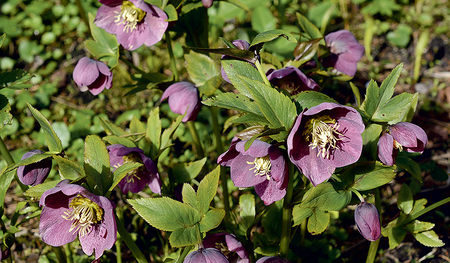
x=291, y=79
x=92, y=75
x=262, y=166
x=70, y=210
x=207, y=3
x=240, y=44
x=367, y=220
x=229, y=245
x=323, y=138
x=35, y=173
x=345, y=52
x=403, y=136
x=183, y=98
x=134, y=22
x=272, y=260
x=136, y=180
x=206, y=255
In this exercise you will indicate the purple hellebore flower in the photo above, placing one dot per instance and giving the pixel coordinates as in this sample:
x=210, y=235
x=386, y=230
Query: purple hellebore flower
x=92, y=75
x=291, y=79
x=401, y=136
x=206, y=255
x=240, y=44
x=70, y=210
x=229, y=245
x=183, y=98
x=323, y=138
x=367, y=220
x=137, y=179
x=207, y=3
x=134, y=22
x=272, y=260
x=35, y=173
x=262, y=166
x=345, y=52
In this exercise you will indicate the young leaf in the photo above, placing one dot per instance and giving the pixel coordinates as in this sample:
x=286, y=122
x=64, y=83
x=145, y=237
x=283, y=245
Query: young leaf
x=309, y=99
x=326, y=197
x=417, y=226
x=96, y=164
x=33, y=159
x=356, y=94
x=299, y=214
x=234, y=68
x=370, y=175
x=370, y=103
x=318, y=222
x=233, y=101
x=248, y=212
x=388, y=85
x=186, y=236
x=53, y=142
x=190, y=196
x=211, y=220
x=271, y=35
x=167, y=134
x=153, y=132
x=207, y=189
x=111, y=128
x=37, y=190
x=185, y=172
x=112, y=139
x=405, y=199
x=68, y=169
x=429, y=239
x=311, y=30
x=395, y=109
x=305, y=51
x=396, y=236
x=200, y=67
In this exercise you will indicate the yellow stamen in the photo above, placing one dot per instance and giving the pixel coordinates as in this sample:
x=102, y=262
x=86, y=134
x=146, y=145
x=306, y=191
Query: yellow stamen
x=130, y=16
x=398, y=146
x=132, y=175
x=322, y=133
x=85, y=213
x=262, y=166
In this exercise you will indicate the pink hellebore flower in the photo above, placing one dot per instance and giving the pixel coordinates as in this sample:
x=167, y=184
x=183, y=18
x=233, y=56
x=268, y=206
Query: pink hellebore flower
x=92, y=75
x=345, y=52
x=262, y=166
x=35, y=173
x=134, y=22
x=207, y=3
x=135, y=180
x=291, y=79
x=401, y=136
x=367, y=220
x=206, y=255
x=69, y=210
x=323, y=138
x=272, y=260
x=229, y=245
x=240, y=44
x=183, y=98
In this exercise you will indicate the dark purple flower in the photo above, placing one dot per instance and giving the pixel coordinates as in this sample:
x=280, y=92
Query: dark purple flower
x=207, y=3
x=137, y=179
x=323, y=138
x=403, y=136
x=134, y=22
x=183, y=98
x=345, y=52
x=206, y=255
x=228, y=245
x=367, y=220
x=262, y=166
x=35, y=173
x=272, y=260
x=291, y=79
x=240, y=44
x=69, y=210
x=92, y=75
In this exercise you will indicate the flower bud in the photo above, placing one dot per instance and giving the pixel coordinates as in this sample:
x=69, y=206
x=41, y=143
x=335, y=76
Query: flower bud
x=272, y=260
x=92, y=75
x=206, y=255
x=367, y=220
x=34, y=173
x=183, y=98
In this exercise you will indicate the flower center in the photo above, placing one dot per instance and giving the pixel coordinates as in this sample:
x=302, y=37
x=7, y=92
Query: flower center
x=262, y=166
x=398, y=146
x=132, y=175
x=129, y=15
x=322, y=133
x=84, y=215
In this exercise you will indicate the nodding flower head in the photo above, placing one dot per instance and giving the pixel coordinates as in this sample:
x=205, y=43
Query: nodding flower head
x=206, y=255
x=229, y=245
x=35, y=173
x=183, y=98
x=291, y=79
x=367, y=220
x=92, y=75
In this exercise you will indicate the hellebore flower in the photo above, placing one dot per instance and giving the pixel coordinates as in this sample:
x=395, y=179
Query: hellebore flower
x=272, y=260
x=262, y=166
x=183, y=96
x=398, y=137
x=345, y=52
x=228, y=245
x=240, y=44
x=35, y=173
x=207, y=3
x=70, y=210
x=323, y=138
x=137, y=179
x=134, y=22
x=92, y=75
x=291, y=79
x=206, y=255
x=367, y=220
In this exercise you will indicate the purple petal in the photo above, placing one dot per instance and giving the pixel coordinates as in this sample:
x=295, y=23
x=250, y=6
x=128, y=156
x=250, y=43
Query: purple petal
x=346, y=67
x=206, y=255
x=157, y=25
x=272, y=260
x=257, y=149
x=54, y=229
x=85, y=72
x=409, y=135
x=226, y=158
x=386, y=149
x=106, y=16
x=279, y=169
x=367, y=220
x=269, y=192
x=240, y=173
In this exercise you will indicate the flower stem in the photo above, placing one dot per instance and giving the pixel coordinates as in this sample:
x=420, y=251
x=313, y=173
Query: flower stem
x=173, y=63
x=357, y=194
x=261, y=72
x=415, y=215
x=371, y=255
x=196, y=139
x=68, y=251
x=131, y=65
x=119, y=213
x=184, y=254
x=60, y=254
x=129, y=241
x=287, y=214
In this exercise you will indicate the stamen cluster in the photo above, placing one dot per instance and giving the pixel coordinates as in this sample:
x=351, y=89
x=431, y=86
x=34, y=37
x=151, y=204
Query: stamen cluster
x=84, y=215
x=130, y=16
x=322, y=133
x=262, y=166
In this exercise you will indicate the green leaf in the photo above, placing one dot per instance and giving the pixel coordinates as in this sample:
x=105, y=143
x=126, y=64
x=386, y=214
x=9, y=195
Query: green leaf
x=401, y=36
x=200, y=67
x=309, y=99
x=5, y=181
x=105, y=46
x=396, y=236
x=96, y=164
x=370, y=175
x=388, y=85
x=250, y=119
x=271, y=59
x=234, y=68
x=112, y=139
x=111, y=128
x=247, y=210
x=429, y=239
x=53, y=142
x=171, y=13
x=370, y=102
x=123, y=171
x=211, y=220
x=326, y=197
x=410, y=166
x=5, y=115
x=232, y=51
x=167, y=134
x=183, y=237
x=356, y=94
x=300, y=214
x=318, y=222
x=263, y=19
x=68, y=169
x=136, y=126
x=309, y=28
x=37, y=190
x=405, y=199
x=15, y=79
x=210, y=86
x=2, y=39
x=417, y=226
x=395, y=109
x=207, y=189
x=238, y=3
x=153, y=133
x=305, y=51
x=190, y=196
x=271, y=35
x=33, y=159
x=185, y=172
x=233, y=101
x=166, y=214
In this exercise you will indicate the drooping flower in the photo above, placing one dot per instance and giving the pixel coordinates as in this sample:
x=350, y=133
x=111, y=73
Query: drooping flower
x=367, y=220
x=92, y=75
x=272, y=260
x=345, y=52
x=134, y=22
x=323, y=138
x=35, y=173
x=206, y=255
x=240, y=44
x=137, y=179
x=262, y=166
x=207, y=3
x=291, y=79
x=70, y=210
x=229, y=246
x=183, y=98
x=402, y=136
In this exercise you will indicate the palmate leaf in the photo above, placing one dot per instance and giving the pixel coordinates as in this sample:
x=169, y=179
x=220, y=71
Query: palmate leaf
x=207, y=189
x=185, y=172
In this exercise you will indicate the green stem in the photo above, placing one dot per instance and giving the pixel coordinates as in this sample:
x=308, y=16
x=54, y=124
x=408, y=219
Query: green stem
x=287, y=214
x=129, y=241
x=415, y=215
x=131, y=65
x=68, y=251
x=357, y=194
x=196, y=139
x=5, y=153
x=119, y=213
x=184, y=254
x=261, y=72
x=60, y=254
x=173, y=63
x=372, y=254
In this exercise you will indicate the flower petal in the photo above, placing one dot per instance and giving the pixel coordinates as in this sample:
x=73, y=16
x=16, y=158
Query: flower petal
x=241, y=175
x=386, y=149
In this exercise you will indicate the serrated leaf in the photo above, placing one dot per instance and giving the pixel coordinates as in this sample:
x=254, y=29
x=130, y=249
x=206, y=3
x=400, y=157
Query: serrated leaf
x=326, y=197
x=250, y=119
x=247, y=210
x=396, y=236
x=318, y=222
x=68, y=169
x=136, y=126
x=37, y=190
x=200, y=67
x=309, y=28
x=53, y=142
x=211, y=220
x=33, y=159
x=370, y=102
x=183, y=237
x=395, y=109
x=96, y=164
x=207, y=189
x=233, y=101
x=429, y=239
x=166, y=214
x=210, y=86
x=388, y=85
x=122, y=171
x=234, y=68
x=369, y=175
x=271, y=35
x=417, y=226
x=300, y=214
x=153, y=133
x=190, y=196
x=309, y=99
x=111, y=128
x=405, y=199
x=5, y=115
x=112, y=139
x=15, y=79
x=185, y=172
